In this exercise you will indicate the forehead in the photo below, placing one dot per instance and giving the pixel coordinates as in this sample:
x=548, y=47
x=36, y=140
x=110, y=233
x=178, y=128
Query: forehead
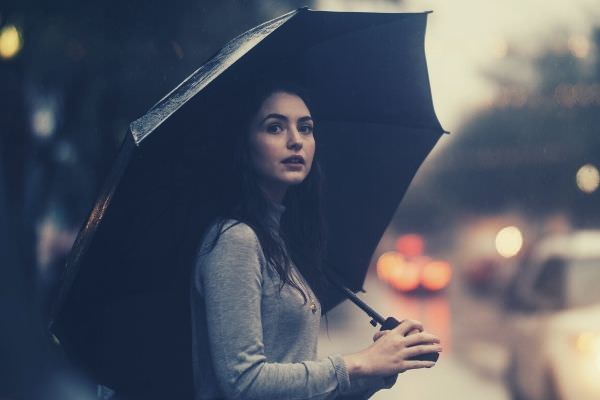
x=284, y=103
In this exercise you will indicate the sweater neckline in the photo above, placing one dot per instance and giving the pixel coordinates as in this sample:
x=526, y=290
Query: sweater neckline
x=274, y=212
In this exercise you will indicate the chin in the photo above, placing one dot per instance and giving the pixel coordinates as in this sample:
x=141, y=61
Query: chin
x=293, y=182
x=296, y=180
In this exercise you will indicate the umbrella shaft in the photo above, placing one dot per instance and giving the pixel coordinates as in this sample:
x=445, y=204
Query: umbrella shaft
x=377, y=318
x=372, y=313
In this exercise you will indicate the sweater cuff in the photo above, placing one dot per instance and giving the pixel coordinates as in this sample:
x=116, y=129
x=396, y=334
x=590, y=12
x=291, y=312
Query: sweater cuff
x=341, y=373
x=371, y=384
x=389, y=381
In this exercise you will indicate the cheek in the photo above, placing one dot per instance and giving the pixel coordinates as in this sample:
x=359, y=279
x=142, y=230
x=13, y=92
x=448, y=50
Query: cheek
x=263, y=153
x=269, y=154
x=310, y=149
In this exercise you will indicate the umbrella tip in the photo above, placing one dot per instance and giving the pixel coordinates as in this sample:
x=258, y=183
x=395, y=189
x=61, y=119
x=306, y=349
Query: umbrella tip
x=304, y=8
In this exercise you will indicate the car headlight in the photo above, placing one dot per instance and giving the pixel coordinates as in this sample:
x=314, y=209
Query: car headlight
x=587, y=344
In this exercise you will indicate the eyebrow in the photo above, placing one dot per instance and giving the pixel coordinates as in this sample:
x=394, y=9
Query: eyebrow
x=283, y=117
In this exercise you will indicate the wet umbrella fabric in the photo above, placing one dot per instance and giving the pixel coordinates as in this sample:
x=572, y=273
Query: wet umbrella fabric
x=123, y=312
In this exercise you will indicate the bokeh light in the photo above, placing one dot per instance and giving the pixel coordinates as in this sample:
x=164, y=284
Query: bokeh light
x=406, y=277
x=588, y=342
x=10, y=42
x=509, y=241
x=579, y=46
x=386, y=263
x=43, y=122
x=436, y=275
x=588, y=178
x=410, y=245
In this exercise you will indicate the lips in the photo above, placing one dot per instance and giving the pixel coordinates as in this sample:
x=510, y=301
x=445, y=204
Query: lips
x=294, y=160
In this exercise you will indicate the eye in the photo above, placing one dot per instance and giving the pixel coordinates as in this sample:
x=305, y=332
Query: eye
x=306, y=129
x=274, y=128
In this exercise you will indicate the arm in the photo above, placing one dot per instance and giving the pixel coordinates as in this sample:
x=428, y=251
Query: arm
x=365, y=387
x=230, y=279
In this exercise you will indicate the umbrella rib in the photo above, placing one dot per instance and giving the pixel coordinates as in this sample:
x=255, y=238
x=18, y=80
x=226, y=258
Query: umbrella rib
x=199, y=79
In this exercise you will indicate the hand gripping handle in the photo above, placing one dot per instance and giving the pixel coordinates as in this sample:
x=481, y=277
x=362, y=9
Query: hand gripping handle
x=390, y=323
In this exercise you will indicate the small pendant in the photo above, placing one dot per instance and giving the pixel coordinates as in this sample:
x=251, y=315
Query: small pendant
x=313, y=307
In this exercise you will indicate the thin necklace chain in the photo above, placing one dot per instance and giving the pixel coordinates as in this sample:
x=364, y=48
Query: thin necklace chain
x=311, y=303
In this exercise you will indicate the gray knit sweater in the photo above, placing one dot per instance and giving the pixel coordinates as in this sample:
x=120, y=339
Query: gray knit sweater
x=252, y=342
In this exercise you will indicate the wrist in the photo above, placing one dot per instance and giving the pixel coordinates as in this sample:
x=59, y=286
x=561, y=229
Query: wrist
x=354, y=365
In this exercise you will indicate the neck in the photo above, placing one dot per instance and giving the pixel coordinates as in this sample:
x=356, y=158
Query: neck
x=274, y=212
x=274, y=193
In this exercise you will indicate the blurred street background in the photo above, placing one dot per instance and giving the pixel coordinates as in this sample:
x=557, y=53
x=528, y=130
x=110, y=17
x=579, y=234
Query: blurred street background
x=495, y=248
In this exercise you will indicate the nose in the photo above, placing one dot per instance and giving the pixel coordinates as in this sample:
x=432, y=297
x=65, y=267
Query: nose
x=295, y=139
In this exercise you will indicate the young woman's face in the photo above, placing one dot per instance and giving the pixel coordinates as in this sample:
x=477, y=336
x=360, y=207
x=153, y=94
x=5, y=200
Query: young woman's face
x=282, y=128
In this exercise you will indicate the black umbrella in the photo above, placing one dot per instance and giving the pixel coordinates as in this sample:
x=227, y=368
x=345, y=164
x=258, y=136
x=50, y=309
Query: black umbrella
x=123, y=311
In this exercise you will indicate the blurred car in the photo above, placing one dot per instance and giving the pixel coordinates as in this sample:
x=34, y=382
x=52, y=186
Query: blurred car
x=555, y=316
x=481, y=275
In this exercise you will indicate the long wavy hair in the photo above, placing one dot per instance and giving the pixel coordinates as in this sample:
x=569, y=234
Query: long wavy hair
x=301, y=239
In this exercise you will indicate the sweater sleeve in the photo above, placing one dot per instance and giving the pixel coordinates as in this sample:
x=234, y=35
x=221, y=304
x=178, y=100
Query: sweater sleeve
x=365, y=387
x=229, y=278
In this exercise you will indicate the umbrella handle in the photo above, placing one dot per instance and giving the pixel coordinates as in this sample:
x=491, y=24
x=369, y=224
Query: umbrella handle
x=390, y=323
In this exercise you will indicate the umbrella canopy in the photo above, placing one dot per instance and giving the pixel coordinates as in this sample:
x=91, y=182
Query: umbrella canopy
x=123, y=312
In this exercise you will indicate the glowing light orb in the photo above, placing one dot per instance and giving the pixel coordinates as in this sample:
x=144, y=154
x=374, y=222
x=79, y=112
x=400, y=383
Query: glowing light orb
x=406, y=277
x=43, y=122
x=386, y=263
x=509, y=241
x=10, y=42
x=588, y=178
x=588, y=342
x=411, y=245
x=579, y=46
x=436, y=275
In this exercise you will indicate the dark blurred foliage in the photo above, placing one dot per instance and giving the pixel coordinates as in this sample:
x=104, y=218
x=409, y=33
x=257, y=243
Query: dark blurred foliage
x=522, y=152
x=85, y=71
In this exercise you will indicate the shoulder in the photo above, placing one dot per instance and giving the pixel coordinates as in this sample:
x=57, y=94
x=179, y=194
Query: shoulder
x=238, y=230
x=236, y=252
x=232, y=233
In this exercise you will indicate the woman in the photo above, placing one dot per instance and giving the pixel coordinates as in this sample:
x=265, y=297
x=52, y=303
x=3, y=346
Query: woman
x=257, y=288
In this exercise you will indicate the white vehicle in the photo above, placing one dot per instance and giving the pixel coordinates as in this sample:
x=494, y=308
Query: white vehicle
x=555, y=302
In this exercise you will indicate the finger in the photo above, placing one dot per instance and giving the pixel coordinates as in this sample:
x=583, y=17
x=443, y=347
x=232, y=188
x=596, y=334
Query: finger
x=421, y=338
x=411, y=352
x=408, y=325
x=379, y=334
x=414, y=331
x=418, y=364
